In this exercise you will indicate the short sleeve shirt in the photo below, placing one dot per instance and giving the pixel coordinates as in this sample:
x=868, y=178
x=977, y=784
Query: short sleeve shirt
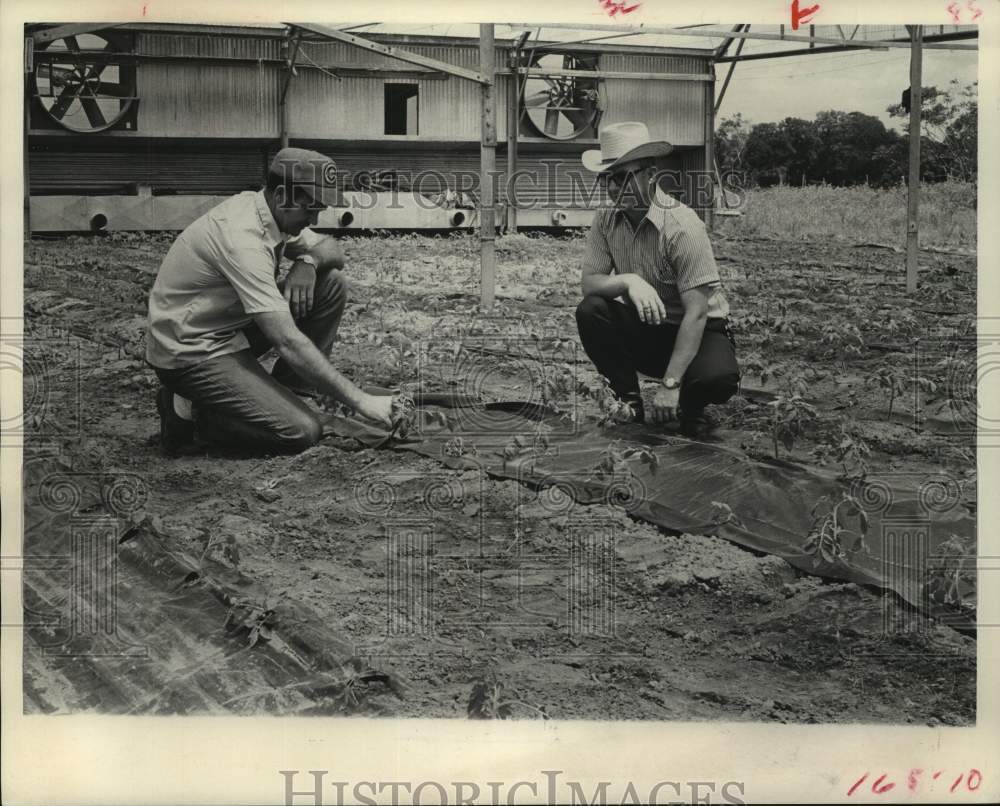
x=669, y=249
x=219, y=271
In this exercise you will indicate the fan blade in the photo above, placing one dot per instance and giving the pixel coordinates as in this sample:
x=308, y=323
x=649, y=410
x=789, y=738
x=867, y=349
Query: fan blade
x=72, y=44
x=93, y=111
x=115, y=90
x=66, y=97
x=538, y=99
x=551, y=121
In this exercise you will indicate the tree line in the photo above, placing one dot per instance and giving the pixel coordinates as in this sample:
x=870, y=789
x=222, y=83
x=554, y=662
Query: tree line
x=852, y=148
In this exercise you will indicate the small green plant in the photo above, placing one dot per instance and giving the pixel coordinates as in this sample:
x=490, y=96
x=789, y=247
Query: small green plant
x=843, y=339
x=894, y=381
x=952, y=573
x=754, y=364
x=613, y=409
x=558, y=385
x=488, y=700
x=613, y=460
x=256, y=620
x=791, y=417
x=230, y=550
x=521, y=447
x=830, y=530
x=849, y=449
x=724, y=514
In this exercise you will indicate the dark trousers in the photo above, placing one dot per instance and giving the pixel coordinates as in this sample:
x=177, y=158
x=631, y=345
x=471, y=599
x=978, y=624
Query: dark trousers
x=620, y=345
x=239, y=405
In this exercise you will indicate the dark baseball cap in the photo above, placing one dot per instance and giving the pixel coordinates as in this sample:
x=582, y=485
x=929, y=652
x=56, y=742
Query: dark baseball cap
x=311, y=171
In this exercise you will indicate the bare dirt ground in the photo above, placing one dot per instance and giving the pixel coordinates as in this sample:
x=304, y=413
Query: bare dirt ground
x=702, y=628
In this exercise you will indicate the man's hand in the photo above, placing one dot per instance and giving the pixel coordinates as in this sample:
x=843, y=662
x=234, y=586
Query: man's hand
x=647, y=302
x=377, y=408
x=299, y=287
x=665, y=404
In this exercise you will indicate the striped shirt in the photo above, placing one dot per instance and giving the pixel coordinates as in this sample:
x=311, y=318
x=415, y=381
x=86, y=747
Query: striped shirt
x=670, y=250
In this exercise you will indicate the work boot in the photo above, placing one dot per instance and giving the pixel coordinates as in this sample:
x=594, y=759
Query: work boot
x=176, y=433
x=697, y=425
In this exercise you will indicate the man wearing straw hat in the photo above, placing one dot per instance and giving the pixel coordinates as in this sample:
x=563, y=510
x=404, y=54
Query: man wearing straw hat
x=653, y=299
x=216, y=306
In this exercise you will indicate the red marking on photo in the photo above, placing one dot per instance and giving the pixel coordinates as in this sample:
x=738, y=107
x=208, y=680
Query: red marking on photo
x=802, y=15
x=979, y=780
x=614, y=8
x=913, y=779
x=879, y=788
x=857, y=783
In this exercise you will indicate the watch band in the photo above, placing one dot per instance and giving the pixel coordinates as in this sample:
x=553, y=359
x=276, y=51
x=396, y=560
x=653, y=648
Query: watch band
x=671, y=383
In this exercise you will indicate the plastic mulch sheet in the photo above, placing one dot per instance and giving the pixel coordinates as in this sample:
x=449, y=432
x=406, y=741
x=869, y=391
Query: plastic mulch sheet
x=121, y=617
x=769, y=506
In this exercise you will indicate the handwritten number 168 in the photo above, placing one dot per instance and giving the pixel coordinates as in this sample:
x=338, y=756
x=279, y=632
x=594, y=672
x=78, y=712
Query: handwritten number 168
x=973, y=779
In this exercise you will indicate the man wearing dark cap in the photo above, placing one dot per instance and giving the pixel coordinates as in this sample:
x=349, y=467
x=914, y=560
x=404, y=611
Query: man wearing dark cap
x=653, y=299
x=216, y=306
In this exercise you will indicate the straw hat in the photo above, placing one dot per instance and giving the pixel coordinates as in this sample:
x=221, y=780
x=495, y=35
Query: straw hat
x=621, y=143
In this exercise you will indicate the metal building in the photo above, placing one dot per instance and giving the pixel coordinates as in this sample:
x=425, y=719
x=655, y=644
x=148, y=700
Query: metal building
x=142, y=126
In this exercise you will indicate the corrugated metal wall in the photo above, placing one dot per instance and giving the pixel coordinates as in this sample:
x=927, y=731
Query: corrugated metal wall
x=208, y=100
x=213, y=100
x=320, y=106
x=116, y=166
x=673, y=110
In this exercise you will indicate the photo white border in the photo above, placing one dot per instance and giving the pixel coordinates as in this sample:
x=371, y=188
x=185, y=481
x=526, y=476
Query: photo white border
x=176, y=760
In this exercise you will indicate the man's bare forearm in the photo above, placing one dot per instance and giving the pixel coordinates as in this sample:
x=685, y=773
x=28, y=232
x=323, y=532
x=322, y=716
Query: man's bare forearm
x=312, y=366
x=606, y=285
x=686, y=345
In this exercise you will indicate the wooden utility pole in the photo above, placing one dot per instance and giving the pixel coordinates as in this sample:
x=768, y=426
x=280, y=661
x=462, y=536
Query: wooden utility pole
x=913, y=182
x=487, y=166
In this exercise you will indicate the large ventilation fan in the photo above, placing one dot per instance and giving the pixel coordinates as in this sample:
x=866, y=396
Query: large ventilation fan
x=560, y=107
x=83, y=83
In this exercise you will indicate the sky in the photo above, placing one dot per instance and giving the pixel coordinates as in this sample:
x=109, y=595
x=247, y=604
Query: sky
x=866, y=81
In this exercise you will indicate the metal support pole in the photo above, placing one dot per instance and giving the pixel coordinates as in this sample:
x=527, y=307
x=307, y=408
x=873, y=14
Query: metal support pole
x=710, y=147
x=729, y=75
x=27, y=170
x=487, y=166
x=283, y=100
x=29, y=67
x=913, y=182
x=513, y=124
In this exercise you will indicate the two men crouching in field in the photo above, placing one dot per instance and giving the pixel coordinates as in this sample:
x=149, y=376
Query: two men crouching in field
x=653, y=303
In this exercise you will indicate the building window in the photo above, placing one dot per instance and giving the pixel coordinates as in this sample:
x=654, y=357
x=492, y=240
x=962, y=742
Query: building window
x=401, y=109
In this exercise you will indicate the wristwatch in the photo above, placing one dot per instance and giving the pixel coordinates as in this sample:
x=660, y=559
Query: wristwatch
x=671, y=382
x=307, y=259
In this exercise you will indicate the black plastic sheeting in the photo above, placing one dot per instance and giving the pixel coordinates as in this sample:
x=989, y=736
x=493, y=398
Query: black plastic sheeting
x=121, y=617
x=772, y=502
